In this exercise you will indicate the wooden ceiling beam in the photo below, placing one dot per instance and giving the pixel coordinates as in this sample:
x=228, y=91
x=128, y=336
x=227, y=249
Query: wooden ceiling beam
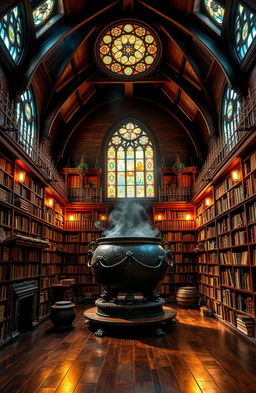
x=128, y=5
x=211, y=44
x=128, y=89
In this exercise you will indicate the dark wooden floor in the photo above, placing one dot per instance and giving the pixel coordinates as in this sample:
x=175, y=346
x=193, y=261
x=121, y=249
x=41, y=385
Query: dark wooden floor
x=198, y=355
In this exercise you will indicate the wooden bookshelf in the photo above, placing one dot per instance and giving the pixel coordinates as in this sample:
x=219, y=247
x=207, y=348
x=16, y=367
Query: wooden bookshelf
x=226, y=242
x=176, y=223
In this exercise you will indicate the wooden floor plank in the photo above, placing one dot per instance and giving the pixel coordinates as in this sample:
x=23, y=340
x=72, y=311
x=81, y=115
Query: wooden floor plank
x=199, y=355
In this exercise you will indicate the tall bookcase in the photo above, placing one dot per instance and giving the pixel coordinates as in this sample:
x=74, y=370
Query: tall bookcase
x=226, y=249
x=80, y=230
x=26, y=220
x=176, y=223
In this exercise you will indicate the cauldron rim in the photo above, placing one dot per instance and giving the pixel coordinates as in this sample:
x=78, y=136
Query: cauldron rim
x=128, y=239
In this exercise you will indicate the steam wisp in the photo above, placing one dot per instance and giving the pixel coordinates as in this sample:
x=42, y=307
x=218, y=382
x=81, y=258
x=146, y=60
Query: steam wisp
x=130, y=219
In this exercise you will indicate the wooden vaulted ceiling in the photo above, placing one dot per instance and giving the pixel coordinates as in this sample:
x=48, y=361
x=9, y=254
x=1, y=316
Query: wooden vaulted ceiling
x=188, y=83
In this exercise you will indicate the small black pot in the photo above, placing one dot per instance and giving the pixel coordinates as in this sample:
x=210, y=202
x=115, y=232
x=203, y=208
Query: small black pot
x=62, y=314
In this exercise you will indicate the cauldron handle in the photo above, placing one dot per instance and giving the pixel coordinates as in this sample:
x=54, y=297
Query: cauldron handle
x=90, y=253
x=168, y=253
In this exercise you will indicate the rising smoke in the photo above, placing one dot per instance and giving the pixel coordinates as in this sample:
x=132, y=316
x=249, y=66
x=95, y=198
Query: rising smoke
x=130, y=219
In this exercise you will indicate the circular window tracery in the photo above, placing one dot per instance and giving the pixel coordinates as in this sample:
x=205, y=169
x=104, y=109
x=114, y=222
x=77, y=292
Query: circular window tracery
x=128, y=49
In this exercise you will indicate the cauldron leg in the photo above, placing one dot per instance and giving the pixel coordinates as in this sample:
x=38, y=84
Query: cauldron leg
x=100, y=332
x=108, y=294
x=159, y=332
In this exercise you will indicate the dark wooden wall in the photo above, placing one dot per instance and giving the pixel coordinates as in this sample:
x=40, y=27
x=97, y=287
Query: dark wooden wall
x=89, y=136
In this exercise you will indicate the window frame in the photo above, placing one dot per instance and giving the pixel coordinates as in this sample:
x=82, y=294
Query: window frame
x=226, y=136
x=115, y=127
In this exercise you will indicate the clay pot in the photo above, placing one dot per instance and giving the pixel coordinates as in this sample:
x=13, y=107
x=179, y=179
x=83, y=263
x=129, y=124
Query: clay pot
x=62, y=314
x=187, y=297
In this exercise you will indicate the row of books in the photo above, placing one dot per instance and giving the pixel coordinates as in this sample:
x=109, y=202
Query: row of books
x=5, y=179
x=224, y=241
x=52, y=234
x=24, y=254
x=207, y=269
x=209, y=291
x=243, y=279
x=44, y=309
x=229, y=316
x=245, y=325
x=81, y=269
x=178, y=236
x=209, y=280
x=176, y=225
x=48, y=281
x=250, y=164
x=252, y=233
x=5, y=196
x=223, y=225
x=2, y=312
x=36, y=228
x=24, y=271
x=4, y=254
x=240, y=237
x=50, y=269
x=186, y=279
x=4, y=272
x=79, y=225
x=6, y=165
x=205, y=216
x=228, y=297
x=245, y=304
x=234, y=258
x=252, y=213
x=229, y=200
x=189, y=268
x=210, y=258
x=250, y=185
x=44, y=296
x=182, y=247
x=5, y=217
x=37, y=188
x=224, y=187
x=49, y=257
x=3, y=292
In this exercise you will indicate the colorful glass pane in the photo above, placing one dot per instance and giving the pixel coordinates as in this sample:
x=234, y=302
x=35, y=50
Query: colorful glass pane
x=43, y=12
x=130, y=162
x=128, y=49
x=230, y=117
x=215, y=11
x=26, y=120
x=140, y=191
x=11, y=33
x=111, y=192
x=245, y=30
x=150, y=191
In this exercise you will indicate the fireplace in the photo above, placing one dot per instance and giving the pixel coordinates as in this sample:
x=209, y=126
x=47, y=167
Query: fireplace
x=24, y=301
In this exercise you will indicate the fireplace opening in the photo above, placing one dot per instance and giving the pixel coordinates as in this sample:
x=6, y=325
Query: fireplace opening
x=25, y=314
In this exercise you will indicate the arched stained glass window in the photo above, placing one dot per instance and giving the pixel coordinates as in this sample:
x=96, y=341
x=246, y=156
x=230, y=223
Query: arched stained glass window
x=214, y=10
x=43, y=11
x=245, y=30
x=230, y=117
x=128, y=49
x=11, y=32
x=130, y=163
x=26, y=119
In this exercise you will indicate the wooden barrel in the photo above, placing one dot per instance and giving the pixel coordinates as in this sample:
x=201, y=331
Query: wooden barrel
x=186, y=297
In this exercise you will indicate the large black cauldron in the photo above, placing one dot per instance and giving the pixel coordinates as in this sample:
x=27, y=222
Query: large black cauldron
x=128, y=264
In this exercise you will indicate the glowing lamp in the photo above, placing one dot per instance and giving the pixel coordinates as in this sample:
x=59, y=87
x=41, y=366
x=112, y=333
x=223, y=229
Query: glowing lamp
x=159, y=217
x=21, y=177
x=188, y=217
x=49, y=202
x=235, y=175
x=103, y=217
x=208, y=202
x=71, y=217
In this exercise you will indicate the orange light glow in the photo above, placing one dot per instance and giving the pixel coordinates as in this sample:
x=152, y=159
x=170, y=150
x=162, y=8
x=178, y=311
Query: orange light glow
x=188, y=217
x=49, y=202
x=208, y=202
x=103, y=217
x=21, y=177
x=71, y=217
x=159, y=217
x=235, y=175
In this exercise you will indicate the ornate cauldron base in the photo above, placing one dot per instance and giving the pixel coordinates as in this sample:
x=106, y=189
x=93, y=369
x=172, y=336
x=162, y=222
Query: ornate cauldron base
x=104, y=323
x=140, y=308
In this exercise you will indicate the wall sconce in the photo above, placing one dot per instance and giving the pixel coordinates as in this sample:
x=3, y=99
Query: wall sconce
x=103, y=217
x=159, y=217
x=235, y=175
x=21, y=177
x=208, y=202
x=49, y=202
x=188, y=217
x=71, y=217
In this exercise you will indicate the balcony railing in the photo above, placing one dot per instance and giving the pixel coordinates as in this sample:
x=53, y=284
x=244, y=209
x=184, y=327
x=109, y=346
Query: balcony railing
x=34, y=150
x=220, y=149
x=171, y=194
x=85, y=195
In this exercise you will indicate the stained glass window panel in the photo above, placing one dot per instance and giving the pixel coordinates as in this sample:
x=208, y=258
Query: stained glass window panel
x=215, y=11
x=130, y=163
x=245, y=30
x=43, y=12
x=128, y=50
x=26, y=120
x=11, y=33
x=230, y=117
